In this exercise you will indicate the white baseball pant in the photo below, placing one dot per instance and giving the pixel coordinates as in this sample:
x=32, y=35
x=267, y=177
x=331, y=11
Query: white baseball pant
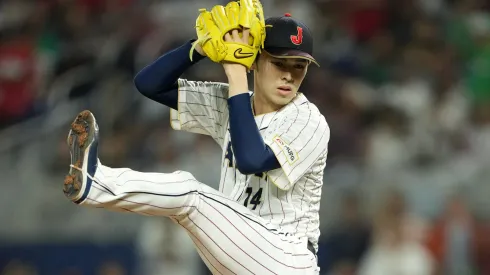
x=228, y=236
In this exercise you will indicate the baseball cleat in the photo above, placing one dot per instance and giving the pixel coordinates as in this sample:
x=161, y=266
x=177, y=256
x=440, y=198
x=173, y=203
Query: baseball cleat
x=82, y=140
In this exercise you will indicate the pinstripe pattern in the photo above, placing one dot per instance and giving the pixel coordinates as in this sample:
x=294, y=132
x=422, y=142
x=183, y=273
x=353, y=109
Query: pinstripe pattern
x=295, y=209
x=230, y=238
x=254, y=224
x=202, y=109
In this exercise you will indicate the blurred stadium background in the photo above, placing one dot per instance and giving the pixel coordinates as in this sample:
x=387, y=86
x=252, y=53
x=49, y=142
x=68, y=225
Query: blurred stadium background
x=404, y=85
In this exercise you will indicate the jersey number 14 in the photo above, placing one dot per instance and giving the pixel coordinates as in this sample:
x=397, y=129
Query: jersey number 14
x=255, y=199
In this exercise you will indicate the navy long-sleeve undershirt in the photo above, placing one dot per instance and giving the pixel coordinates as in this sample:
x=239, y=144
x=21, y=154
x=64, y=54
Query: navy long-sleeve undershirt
x=251, y=153
x=158, y=81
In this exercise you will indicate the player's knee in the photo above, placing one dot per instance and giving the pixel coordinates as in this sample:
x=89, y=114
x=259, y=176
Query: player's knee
x=185, y=176
x=190, y=191
x=192, y=185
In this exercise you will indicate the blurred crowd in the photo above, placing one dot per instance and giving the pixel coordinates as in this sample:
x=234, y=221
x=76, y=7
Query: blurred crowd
x=403, y=84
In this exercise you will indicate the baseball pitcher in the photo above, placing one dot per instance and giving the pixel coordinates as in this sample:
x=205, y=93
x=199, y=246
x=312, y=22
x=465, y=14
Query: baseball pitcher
x=264, y=217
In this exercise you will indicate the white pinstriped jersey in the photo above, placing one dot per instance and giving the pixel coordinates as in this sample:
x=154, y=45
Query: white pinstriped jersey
x=298, y=134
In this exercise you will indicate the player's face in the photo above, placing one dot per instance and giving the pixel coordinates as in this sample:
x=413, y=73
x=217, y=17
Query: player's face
x=278, y=79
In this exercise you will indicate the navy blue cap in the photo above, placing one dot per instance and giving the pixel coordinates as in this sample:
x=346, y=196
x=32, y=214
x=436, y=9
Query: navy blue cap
x=287, y=37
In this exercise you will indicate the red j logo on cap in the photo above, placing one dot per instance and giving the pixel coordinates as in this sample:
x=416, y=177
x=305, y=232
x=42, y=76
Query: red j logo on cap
x=298, y=38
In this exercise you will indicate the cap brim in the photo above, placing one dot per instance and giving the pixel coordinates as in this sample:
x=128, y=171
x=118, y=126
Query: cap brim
x=289, y=53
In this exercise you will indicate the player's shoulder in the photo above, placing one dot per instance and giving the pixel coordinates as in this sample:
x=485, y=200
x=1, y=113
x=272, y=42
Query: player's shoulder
x=303, y=110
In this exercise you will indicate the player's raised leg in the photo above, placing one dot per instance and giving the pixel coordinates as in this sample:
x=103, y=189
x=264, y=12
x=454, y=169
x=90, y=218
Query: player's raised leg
x=229, y=238
x=121, y=189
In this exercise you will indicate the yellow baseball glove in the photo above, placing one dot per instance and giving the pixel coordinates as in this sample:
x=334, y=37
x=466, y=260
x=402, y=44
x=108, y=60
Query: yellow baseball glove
x=212, y=26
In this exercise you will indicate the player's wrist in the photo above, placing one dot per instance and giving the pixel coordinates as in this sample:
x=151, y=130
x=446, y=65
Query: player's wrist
x=235, y=71
x=237, y=80
x=198, y=48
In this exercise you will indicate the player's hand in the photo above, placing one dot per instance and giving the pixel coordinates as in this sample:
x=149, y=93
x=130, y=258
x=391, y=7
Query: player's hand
x=236, y=72
x=199, y=49
x=232, y=69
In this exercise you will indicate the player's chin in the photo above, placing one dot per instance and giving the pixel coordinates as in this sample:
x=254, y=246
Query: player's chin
x=284, y=97
x=282, y=101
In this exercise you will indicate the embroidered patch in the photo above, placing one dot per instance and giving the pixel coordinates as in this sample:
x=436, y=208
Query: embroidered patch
x=289, y=152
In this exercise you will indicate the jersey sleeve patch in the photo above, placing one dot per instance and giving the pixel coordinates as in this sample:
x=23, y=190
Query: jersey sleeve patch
x=289, y=152
x=298, y=141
